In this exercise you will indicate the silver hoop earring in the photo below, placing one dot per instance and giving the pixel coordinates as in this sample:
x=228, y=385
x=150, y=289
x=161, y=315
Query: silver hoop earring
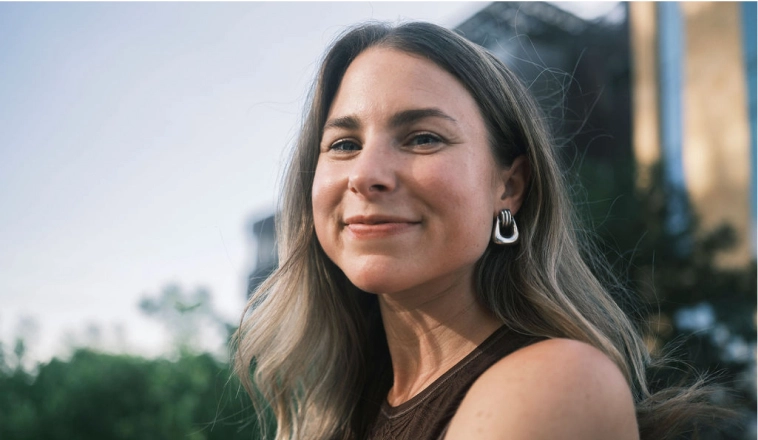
x=505, y=221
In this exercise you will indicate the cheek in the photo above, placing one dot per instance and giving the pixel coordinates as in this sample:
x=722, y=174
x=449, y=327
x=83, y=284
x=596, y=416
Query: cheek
x=465, y=183
x=321, y=188
x=464, y=193
x=325, y=197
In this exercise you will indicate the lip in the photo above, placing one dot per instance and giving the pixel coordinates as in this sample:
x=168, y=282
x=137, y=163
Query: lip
x=377, y=219
x=377, y=226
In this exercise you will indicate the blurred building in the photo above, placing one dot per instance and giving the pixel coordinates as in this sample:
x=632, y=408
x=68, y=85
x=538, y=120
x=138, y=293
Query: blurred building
x=694, y=95
x=264, y=234
x=579, y=70
x=669, y=84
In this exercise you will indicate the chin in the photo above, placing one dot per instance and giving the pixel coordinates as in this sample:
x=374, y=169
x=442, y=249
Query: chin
x=369, y=273
x=377, y=281
x=373, y=284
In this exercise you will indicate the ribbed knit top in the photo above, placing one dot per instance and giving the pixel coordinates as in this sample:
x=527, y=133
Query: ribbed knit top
x=427, y=415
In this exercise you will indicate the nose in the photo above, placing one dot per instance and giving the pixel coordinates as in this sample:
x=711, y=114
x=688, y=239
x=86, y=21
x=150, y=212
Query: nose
x=374, y=170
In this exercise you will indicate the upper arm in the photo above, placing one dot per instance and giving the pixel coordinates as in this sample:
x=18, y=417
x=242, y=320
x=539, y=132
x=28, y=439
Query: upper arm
x=555, y=389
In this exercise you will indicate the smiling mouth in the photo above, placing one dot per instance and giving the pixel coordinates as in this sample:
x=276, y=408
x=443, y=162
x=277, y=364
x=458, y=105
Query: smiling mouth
x=378, y=230
x=376, y=219
x=377, y=227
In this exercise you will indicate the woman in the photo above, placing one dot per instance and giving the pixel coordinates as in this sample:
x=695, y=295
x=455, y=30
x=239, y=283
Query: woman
x=430, y=282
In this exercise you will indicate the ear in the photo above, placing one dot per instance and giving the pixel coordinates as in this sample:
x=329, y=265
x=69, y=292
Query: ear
x=515, y=181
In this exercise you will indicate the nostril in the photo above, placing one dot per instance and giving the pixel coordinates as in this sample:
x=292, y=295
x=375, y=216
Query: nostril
x=368, y=180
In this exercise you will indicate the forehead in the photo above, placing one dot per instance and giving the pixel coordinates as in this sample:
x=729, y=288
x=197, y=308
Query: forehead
x=384, y=80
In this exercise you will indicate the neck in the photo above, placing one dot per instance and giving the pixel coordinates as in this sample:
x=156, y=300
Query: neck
x=428, y=334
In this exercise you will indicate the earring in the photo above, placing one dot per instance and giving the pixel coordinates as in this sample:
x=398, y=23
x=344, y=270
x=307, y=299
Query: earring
x=505, y=221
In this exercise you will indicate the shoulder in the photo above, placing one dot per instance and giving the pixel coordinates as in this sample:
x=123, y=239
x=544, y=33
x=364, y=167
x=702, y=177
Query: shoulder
x=554, y=389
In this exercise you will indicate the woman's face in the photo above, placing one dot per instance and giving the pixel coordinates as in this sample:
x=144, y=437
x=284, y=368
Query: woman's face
x=406, y=188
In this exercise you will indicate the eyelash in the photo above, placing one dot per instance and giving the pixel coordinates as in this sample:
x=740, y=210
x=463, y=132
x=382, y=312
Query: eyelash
x=336, y=146
x=435, y=139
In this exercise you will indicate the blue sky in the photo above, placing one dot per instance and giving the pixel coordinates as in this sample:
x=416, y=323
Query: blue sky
x=137, y=142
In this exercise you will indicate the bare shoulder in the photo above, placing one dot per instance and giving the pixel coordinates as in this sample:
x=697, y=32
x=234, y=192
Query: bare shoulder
x=555, y=389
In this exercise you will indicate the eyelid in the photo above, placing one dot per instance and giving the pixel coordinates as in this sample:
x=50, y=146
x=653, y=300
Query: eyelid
x=438, y=139
x=425, y=133
x=342, y=141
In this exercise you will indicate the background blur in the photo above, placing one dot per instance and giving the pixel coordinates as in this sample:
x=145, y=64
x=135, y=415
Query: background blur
x=140, y=147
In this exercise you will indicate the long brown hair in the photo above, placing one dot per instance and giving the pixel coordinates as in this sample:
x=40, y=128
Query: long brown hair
x=308, y=330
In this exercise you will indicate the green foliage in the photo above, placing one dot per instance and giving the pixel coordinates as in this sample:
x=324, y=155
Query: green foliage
x=95, y=395
x=183, y=314
x=103, y=396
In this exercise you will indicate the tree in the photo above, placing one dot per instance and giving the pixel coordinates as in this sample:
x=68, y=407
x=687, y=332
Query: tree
x=185, y=315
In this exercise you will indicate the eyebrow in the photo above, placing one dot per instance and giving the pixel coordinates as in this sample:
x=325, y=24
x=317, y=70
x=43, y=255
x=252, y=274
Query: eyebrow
x=400, y=119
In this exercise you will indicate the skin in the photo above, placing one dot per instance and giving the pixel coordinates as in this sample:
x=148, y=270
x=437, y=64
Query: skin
x=404, y=199
x=557, y=389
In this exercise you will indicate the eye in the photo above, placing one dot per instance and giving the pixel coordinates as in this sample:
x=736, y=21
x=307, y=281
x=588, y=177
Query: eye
x=425, y=140
x=344, y=145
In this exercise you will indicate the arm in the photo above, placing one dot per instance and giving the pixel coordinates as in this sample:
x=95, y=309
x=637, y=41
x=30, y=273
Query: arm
x=552, y=390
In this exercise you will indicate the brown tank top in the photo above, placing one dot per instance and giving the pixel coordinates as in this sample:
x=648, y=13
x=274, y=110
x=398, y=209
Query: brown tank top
x=426, y=415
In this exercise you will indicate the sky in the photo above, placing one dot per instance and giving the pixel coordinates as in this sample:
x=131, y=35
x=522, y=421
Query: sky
x=138, y=141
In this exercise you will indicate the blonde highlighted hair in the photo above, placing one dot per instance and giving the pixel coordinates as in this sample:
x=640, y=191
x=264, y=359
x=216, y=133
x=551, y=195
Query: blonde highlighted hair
x=309, y=341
